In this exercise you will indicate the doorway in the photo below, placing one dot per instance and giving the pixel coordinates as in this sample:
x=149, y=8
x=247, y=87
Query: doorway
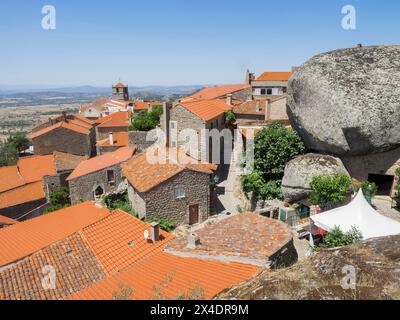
x=193, y=214
x=383, y=182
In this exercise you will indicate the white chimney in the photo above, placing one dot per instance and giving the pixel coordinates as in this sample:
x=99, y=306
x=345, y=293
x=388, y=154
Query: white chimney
x=257, y=106
x=229, y=99
x=155, y=232
x=111, y=138
x=193, y=240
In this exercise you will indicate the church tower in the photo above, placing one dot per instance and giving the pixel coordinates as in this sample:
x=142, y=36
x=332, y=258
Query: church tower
x=120, y=92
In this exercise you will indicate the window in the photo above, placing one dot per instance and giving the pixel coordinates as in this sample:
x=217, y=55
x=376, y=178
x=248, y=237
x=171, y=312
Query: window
x=172, y=124
x=98, y=192
x=262, y=92
x=269, y=92
x=111, y=177
x=180, y=193
x=216, y=123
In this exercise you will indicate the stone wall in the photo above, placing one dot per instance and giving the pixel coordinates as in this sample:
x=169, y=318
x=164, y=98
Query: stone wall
x=284, y=257
x=52, y=183
x=242, y=94
x=82, y=188
x=160, y=202
x=138, y=139
x=63, y=140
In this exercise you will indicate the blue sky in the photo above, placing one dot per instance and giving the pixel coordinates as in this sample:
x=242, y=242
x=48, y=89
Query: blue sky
x=176, y=42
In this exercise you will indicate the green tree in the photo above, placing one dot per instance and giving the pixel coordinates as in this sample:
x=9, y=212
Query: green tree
x=120, y=201
x=274, y=146
x=337, y=238
x=165, y=225
x=147, y=120
x=374, y=188
x=329, y=189
x=19, y=141
x=230, y=118
x=59, y=199
x=16, y=142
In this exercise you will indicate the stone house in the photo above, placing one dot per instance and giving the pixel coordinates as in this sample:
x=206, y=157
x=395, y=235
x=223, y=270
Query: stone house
x=93, y=110
x=198, y=115
x=176, y=188
x=98, y=176
x=112, y=143
x=116, y=122
x=268, y=83
x=24, y=188
x=68, y=136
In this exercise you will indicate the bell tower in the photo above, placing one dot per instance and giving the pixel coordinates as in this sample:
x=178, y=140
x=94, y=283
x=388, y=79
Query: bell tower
x=120, y=92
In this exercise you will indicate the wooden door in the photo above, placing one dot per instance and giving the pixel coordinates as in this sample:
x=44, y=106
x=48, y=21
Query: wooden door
x=193, y=214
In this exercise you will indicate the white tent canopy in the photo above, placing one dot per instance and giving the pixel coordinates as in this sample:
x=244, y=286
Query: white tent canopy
x=358, y=213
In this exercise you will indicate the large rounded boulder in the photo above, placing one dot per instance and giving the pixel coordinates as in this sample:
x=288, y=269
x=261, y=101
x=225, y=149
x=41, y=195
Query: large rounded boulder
x=347, y=102
x=300, y=171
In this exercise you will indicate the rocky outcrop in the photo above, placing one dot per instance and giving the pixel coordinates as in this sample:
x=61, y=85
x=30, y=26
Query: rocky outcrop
x=300, y=171
x=327, y=274
x=347, y=102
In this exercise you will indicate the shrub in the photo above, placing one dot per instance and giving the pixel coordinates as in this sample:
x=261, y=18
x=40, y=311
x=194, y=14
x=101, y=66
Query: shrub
x=120, y=201
x=229, y=118
x=59, y=199
x=397, y=172
x=329, y=189
x=338, y=238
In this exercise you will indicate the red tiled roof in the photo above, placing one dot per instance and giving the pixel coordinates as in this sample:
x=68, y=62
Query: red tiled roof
x=65, y=125
x=26, y=193
x=7, y=221
x=98, y=104
x=80, y=124
x=144, y=175
x=34, y=168
x=121, y=116
x=165, y=276
x=142, y=105
x=218, y=91
x=118, y=241
x=101, y=162
x=114, y=123
x=25, y=238
x=80, y=117
x=121, y=139
x=119, y=85
x=274, y=76
x=207, y=109
x=10, y=178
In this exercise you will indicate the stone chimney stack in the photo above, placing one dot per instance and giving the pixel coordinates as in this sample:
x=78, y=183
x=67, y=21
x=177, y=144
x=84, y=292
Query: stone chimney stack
x=155, y=232
x=64, y=116
x=193, y=240
x=267, y=110
x=257, y=105
x=111, y=138
x=165, y=124
x=229, y=99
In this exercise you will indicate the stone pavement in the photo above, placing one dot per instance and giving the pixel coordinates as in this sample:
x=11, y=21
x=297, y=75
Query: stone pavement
x=383, y=206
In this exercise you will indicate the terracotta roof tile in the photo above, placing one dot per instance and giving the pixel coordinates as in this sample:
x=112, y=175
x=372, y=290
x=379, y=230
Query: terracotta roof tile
x=120, y=85
x=35, y=168
x=114, y=123
x=207, y=109
x=98, y=104
x=246, y=237
x=10, y=178
x=121, y=116
x=75, y=265
x=26, y=193
x=7, y=221
x=111, y=237
x=142, y=105
x=144, y=175
x=121, y=139
x=218, y=91
x=176, y=275
x=65, y=161
x=80, y=124
x=80, y=117
x=101, y=162
x=25, y=238
x=65, y=125
x=250, y=107
x=274, y=76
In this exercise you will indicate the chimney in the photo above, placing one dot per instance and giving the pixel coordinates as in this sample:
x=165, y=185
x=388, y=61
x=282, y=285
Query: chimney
x=155, y=232
x=165, y=124
x=257, y=105
x=229, y=99
x=193, y=240
x=64, y=115
x=111, y=138
x=267, y=110
x=149, y=106
x=359, y=45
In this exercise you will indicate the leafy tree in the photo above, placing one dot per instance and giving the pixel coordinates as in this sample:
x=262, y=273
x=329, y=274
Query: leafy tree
x=337, y=238
x=329, y=189
x=229, y=118
x=59, y=199
x=274, y=146
x=16, y=142
x=19, y=141
x=397, y=172
x=147, y=120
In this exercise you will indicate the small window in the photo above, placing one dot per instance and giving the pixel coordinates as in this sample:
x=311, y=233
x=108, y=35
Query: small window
x=263, y=91
x=172, y=124
x=211, y=125
x=111, y=177
x=217, y=123
x=180, y=193
x=269, y=92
